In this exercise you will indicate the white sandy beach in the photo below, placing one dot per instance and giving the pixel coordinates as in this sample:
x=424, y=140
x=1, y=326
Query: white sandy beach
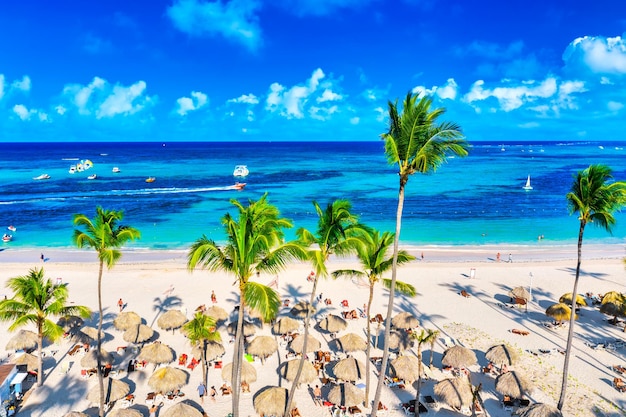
x=143, y=279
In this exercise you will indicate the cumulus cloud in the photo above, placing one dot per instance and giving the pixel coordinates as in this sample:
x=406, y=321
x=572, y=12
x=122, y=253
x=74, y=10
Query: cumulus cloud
x=193, y=103
x=22, y=85
x=122, y=101
x=328, y=95
x=291, y=102
x=447, y=91
x=512, y=97
x=614, y=106
x=25, y=114
x=235, y=20
x=7, y=88
x=245, y=98
x=598, y=54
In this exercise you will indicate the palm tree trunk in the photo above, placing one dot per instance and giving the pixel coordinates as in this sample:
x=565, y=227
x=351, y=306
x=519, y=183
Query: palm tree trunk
x=238, y=353
x=296, y=380
x=394, y=267
x=419, y=376
x=39, y=351
x=204, y=364
x=369, y=344
x=99, y=339
x=572, y=319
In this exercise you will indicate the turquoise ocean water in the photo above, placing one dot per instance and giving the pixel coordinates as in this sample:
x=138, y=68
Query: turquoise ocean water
x=476, y=200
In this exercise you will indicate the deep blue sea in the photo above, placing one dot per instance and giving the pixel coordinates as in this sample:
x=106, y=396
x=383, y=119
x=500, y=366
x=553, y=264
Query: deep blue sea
x=477, y=200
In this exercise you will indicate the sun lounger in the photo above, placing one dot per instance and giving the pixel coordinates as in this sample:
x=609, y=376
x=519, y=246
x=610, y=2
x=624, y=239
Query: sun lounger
x=431, y=402
x=618, y=384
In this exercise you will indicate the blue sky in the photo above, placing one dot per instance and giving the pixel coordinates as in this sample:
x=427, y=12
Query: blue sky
x=248, y=70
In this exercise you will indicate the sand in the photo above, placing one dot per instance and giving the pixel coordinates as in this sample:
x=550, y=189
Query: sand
x=151, y=282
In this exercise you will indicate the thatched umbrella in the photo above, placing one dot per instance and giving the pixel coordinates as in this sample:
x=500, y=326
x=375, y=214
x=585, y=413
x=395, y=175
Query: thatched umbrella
x=346, y=394
x=519, y=292
x=168, y=379
x=513, y=384
x=300, y=309
x=458, y=357
x=214, y=350
x=70, y=322
x=298, y=343
x=559, y=312
x=502, y=354
x=289, y=369
x=114, y=389
x=138, y=334
x=271, y=401
x=156, y=353
x=456, y=392
x=567, y=299
x=405, y=320
x=126, y=320
x=248, y=328
x=126, y=412
x=24, y=339
x=613, y=304
x=181, y=409
x=31, y=361
x=351, y=342
x=349, y=369
x=90, y=360
x=406, y=367
x=285, y=325
x=333, y=324
x=399, y=340
x=262, y=346
x=538, y=410
x=75, y=414
x=248, y=372
x=86, y=334
x=171, y=319
x=217, y=312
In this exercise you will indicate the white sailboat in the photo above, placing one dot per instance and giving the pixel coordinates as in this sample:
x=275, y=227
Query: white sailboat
x=527, y=187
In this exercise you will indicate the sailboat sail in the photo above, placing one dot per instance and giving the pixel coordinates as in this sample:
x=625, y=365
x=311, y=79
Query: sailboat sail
x=527, y=186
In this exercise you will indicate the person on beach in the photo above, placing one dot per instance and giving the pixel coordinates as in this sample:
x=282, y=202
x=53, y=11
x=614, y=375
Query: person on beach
x=201, y=391
x=498, y=257
x=213, y=297
x=153, y=410
x=510, y=258
x=317, y=395
x=43, y=258
x=213, y=393
x=120, y=304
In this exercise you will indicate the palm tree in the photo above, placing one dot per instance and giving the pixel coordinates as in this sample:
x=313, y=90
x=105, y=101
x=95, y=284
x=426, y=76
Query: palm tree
x=423, y=337
x=336, y=231
x=416, y=143
x=255, y=242
x=433, y=340
x=201, y=330
x=375, y=261
x=105, y=235
x=595, y=200
x=35, y=300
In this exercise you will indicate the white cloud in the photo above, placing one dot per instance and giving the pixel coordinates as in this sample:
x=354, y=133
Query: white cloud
x=355, y=120
x=381, y=114
x=291, y=102
x=60, y=109
x=598, y=54
x=235, y=20
x=322, y=113
x=245, y=98
x=511, y=98
x=80, y=95
x=122, y=101
x=614, y=106
x=188, y=104
x=22, y=85
x=25, y=114
x=447, y=91
x=328, y=95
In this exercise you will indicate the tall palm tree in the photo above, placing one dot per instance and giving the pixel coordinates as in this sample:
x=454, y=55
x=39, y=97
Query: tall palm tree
x=595, y=199
x=255, y=242
x=201, y=330
x=433, y=340
x=375, y=261
x=35, y=300
x=335, y=235
x=423, y=337
x=105, y=235
x=416, y=142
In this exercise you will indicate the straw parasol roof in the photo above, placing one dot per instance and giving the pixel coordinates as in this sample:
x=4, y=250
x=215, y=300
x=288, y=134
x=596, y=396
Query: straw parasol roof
x=538, y=410
x=298, y=343
x=156, y=353
x=86, y=334
x=114, y=389
x=285, y=325
x=458, y=357
x=351, y=342
x=613, y=304
x=346, y=394
x=513, y=384
x=333, y=324
x=168, y=379
x=126, y=412
x=406, y=367
x=405, y=320
x=214, y=350
x=262, y=346
x=70, y=322
x=248, y=328
x=75, y=414
x=24, y=339
x=455, y=392
x=300, y=309
x=399, y=340
x=171, y=319
x=126, y=320
x=138, y=334
x=181, y=409
x=519, y=292
x=217, y=312
x=349, y=369
x=271, y=401
x=502, y=354
x=559, y=312
x=31, y=361
x=289, y=369
x=90, y=360
x=248, y=372
x=567, y=299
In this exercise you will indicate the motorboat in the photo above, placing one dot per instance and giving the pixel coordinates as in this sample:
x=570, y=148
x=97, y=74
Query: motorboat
x=116, y=170
x=7, y=238
x=527, y=187
x=42, y=177
x=92, y=177
x=239, y=186
x=72, y=169
x=241, y=171
x=12, y=228
x=151, y=179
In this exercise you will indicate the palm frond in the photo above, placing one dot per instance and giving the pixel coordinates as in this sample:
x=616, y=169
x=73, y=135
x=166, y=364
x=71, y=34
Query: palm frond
x=401, y=287
x=262, y=299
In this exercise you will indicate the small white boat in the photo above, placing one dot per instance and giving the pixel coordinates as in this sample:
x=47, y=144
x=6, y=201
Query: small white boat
x=151, y=179
x=238, y=186
x=527, y=187
x=72, y=169
x=116, y=170
x=92, y=177
x=42, y=177
x=7, y=238
x=12, y=228
x=241, y=171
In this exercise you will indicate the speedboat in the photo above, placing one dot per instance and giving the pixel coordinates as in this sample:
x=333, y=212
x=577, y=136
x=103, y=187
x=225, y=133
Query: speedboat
x=42, y=177
x=72, y=169
x=116, y=170
x=92, y=177
x=239, y=186
x=12, y=228
x=7, y=238
x=151, y=179
x=241, y=171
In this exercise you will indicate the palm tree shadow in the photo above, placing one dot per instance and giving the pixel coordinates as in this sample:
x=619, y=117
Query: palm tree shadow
x=161, y=305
